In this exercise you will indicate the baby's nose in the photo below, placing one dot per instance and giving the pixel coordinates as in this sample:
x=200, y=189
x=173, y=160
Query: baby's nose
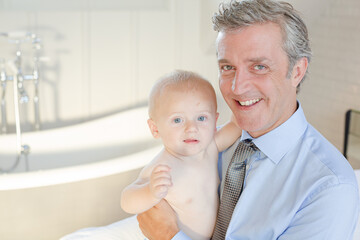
x=191, y=126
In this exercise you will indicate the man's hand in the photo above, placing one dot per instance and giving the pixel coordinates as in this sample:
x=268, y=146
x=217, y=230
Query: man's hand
x=159, y=222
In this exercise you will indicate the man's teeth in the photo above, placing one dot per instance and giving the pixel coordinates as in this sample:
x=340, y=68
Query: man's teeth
x=249, y=102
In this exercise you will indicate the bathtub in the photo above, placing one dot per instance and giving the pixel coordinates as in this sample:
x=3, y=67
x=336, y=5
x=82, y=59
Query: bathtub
x=75, y=175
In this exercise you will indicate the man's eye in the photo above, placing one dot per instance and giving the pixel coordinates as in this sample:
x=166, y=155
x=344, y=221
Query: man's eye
x=259, y=67
x=201, y=118
x=177, y=120
x=226, y=68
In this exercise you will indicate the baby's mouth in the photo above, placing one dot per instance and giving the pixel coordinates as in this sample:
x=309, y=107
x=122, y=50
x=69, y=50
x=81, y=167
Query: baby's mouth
x=191, y=141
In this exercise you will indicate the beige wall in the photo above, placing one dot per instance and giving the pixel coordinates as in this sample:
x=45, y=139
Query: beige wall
x=106, y=57
x=333, y=85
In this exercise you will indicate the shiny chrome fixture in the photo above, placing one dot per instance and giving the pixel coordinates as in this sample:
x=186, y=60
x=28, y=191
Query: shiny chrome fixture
x=20, y=148
x=18, y=38
x=17, y=77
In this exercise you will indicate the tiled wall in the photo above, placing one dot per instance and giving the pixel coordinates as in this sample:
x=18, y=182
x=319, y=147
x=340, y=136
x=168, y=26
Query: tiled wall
x=105, y=57
x=333, y=85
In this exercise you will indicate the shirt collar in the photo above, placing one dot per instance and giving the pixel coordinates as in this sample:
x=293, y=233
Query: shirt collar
x=276, y=143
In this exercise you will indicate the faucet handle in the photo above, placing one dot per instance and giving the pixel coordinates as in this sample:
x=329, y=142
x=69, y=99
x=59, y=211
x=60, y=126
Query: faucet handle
x=24, y=98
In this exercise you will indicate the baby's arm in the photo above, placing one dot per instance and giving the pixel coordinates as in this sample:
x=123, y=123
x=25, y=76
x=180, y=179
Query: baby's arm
x=147, y=190
x=227, y=135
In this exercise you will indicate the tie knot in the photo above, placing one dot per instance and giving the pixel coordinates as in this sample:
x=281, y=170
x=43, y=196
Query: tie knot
x=249, y=143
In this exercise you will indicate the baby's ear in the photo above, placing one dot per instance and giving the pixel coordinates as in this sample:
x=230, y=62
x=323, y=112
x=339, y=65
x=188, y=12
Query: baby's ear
x=217, y=117
x=153, y=128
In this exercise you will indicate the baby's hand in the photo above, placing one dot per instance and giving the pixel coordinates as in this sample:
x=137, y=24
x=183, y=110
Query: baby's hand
x=160, y=181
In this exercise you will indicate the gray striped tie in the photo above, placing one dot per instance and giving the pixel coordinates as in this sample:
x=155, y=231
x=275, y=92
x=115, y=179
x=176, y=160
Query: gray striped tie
x=233, y=186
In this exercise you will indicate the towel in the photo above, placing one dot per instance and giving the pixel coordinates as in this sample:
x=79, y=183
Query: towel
x=126, y=229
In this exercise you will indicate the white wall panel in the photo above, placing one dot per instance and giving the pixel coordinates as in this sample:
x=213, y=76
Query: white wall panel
x=156, y=49
x=111, y=77
x=61, y=86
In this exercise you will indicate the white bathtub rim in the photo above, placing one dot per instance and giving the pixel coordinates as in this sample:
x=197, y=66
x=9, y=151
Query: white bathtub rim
x=49, y=177
x=108, y=130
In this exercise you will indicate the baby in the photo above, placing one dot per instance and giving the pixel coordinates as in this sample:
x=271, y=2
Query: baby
x=183, y=114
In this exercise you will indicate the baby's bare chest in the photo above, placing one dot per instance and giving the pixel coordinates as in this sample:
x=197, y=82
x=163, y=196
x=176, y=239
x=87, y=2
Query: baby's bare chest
x=194, y=196
x=194, y=185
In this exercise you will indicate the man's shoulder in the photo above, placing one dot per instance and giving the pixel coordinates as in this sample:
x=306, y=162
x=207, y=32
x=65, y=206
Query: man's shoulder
x=325, y=158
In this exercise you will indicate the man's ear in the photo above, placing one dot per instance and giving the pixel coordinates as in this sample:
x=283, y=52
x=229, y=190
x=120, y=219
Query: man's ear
x=153, y=128
x=299, y=71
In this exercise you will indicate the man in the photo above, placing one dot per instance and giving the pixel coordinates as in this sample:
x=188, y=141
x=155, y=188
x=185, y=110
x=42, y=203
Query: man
x=297, y=186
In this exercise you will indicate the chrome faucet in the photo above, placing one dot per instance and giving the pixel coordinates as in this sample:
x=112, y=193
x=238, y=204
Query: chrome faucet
x=20, y=95
x=23, y=97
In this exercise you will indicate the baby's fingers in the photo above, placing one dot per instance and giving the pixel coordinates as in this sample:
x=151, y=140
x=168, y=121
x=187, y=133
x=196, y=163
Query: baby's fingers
x=160, y=174
x=157, y=175
x=162, y=179
x=161, y=168
x=160, y=191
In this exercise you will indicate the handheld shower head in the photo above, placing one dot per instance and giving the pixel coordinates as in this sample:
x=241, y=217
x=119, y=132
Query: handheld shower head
x=24, y=97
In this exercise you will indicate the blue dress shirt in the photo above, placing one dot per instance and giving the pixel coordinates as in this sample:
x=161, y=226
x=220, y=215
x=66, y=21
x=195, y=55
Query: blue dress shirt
x=298, y=186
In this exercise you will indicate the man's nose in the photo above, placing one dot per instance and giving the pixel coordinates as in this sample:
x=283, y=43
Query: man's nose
x=241, y=82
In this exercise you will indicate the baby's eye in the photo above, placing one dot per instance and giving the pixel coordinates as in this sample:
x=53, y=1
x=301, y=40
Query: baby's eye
x=177, y=120
x=201, y=118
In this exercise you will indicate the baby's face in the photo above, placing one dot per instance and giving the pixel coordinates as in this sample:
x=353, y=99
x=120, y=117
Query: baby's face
x=186, y=121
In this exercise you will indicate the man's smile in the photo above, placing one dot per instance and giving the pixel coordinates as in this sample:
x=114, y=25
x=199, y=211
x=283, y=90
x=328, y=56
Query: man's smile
x=248, y=103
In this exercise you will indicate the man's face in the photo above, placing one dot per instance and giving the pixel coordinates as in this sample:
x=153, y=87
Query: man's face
x=252, y=70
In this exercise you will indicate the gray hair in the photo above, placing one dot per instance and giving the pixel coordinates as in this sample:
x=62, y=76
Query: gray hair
x=179, y=80
x=238, y=14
